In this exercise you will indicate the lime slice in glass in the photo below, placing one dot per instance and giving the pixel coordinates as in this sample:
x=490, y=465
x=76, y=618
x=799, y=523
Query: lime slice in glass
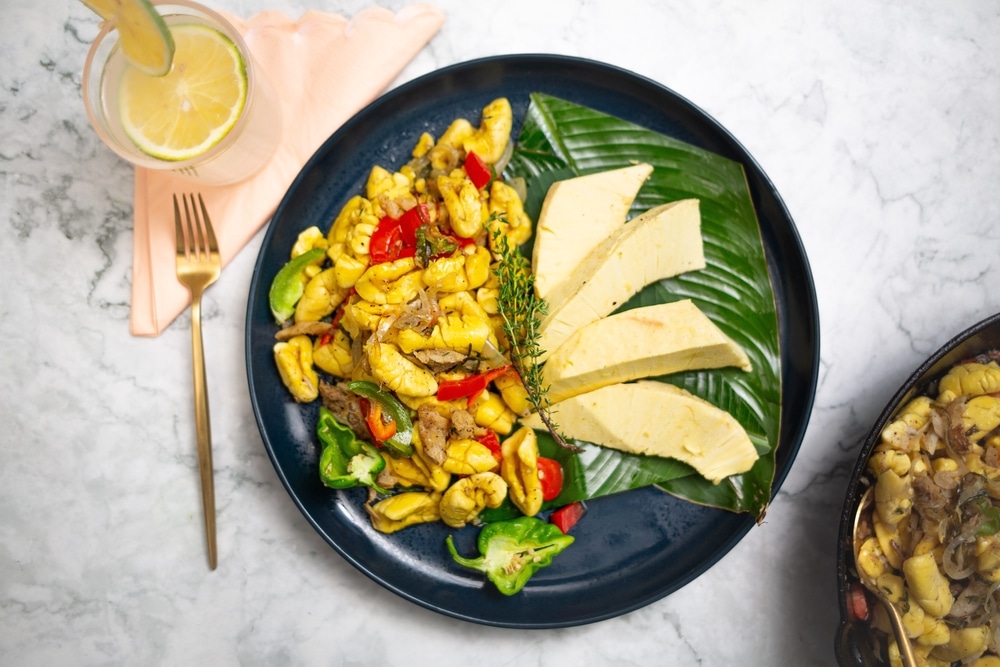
x=184, y=113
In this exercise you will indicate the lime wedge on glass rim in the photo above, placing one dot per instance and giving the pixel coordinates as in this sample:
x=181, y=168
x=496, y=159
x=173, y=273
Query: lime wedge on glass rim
x=145, y=38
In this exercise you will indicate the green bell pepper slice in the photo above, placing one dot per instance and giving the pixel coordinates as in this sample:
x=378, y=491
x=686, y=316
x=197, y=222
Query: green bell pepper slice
x=990, y=523
x=401, y=442
x=346, y=461
x=289, y=284
x=512, y=551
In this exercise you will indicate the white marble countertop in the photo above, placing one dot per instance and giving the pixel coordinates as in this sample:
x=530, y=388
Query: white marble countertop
x=878, y=123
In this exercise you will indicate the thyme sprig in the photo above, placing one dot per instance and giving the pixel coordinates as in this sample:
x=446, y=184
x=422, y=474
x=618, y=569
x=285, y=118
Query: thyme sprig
x=522, y=312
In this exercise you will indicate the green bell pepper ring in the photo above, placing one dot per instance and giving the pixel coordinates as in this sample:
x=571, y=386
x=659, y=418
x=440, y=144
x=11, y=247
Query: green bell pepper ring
x=990, y=523
x=512, y=551
x=431, y=244
x=346, y=462
x=290, y=283
x=401, y=442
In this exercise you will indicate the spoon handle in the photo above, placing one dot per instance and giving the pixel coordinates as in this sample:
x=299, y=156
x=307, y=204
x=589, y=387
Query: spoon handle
x=902, y=639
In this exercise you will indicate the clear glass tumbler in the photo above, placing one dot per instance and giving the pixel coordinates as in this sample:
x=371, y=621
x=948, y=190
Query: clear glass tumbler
x=243, y=151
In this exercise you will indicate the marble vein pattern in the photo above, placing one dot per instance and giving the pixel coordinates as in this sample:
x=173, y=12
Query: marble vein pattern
x=877, y=122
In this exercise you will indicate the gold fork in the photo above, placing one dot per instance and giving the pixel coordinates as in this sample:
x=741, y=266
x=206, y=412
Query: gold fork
x=198, y=266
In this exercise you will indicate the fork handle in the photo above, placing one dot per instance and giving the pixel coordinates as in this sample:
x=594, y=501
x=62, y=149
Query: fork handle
x=203, y=430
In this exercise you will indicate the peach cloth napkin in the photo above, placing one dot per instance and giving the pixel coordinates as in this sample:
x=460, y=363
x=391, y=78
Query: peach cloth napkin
x=325, y=68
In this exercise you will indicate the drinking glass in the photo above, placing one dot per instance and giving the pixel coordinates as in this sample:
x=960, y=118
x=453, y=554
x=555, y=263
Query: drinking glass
x=242, y=152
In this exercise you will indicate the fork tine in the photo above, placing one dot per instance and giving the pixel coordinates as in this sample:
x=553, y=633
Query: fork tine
x=213, y=245
x=198, y=249
x=178, y=228
x=196, y=246
x=190, y=244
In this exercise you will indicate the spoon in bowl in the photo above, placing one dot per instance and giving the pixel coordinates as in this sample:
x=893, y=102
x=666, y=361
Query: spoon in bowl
x=902, y=640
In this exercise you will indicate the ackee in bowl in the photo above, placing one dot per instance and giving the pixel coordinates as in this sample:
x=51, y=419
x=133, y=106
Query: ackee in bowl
x=932, y=541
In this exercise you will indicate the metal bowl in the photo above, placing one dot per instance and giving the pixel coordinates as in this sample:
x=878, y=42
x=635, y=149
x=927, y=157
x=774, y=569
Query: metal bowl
x=852, y=645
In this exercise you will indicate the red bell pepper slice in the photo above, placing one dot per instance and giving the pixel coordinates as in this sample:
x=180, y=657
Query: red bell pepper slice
x=471, y=387
x=566, y=516
x=411, y=221
x=857, y=602
x=461, y=241
x=492, y=443
x=478, y=171
x=381, y=425
x=450, y=390
x=395, y=238
x=338, y=315
x=386, y=242
x=550, y=475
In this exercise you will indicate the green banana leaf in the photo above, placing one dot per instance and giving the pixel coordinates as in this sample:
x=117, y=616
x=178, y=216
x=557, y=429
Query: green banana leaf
x=559, y=140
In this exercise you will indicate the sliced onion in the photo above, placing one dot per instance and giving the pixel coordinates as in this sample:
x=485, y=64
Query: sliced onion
x=430, y=301
x=948, y=479
x=939, y=422
x=358, y=356
x=389, y=206
x=969, y=605
x=990, y=604
x=384, y=326
x=930, y=441
x=929, y=499
x=501, y=164
x=414, y=315
x=959, y=560
x=519, y=186
x=956, y=440
x=954, y=569
x=304, y=328
x=942, y=530
x=420, y=165
x=973, y=486
x=412, y=321
x=493, y=357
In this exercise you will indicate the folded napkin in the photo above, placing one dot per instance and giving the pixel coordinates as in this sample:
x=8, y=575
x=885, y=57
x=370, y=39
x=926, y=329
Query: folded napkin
x=325, y=68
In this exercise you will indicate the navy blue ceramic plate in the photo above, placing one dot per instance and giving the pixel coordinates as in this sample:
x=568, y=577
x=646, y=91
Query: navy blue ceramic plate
x=635, y=547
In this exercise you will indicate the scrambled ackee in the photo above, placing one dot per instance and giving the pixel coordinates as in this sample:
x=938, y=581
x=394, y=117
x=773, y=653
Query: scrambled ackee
x=397, y=304
x=933, y=543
